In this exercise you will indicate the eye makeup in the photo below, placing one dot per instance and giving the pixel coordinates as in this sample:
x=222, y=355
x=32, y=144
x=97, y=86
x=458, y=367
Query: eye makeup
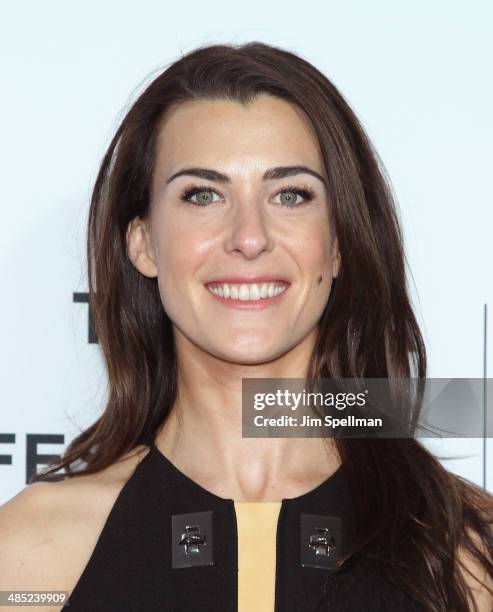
x=305, y=191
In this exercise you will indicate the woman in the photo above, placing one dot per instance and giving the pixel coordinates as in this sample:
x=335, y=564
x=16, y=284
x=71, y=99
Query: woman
x=242, y=226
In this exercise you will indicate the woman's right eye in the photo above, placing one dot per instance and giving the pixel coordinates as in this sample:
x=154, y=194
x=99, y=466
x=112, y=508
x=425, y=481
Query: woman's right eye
x=204, y=194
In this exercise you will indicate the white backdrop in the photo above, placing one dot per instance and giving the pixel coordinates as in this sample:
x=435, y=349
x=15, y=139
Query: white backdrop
x=419, y=77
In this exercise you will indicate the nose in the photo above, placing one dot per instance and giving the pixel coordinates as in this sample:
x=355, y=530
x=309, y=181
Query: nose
x=248, y=232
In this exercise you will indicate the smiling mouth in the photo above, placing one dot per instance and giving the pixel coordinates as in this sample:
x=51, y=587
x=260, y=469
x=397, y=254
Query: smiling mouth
x=248, y=294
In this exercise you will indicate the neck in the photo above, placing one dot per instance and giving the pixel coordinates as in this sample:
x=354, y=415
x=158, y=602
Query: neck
x=203, y=434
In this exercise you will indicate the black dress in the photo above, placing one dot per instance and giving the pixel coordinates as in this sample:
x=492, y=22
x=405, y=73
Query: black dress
x=169, y=545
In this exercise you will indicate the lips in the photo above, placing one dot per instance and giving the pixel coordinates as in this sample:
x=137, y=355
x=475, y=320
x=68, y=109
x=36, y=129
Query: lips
x=248, y=296
x=248, y=280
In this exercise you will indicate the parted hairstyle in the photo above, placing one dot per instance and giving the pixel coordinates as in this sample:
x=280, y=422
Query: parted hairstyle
x=412, y=514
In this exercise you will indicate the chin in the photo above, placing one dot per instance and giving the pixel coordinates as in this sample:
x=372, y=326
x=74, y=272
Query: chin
x=249, y=355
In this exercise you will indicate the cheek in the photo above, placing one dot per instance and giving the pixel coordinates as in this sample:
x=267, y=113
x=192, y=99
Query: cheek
x=177, y=249
x=314, y=256
x=317, y=259
x=182, y=254
x=309, y=240
x=174, y=265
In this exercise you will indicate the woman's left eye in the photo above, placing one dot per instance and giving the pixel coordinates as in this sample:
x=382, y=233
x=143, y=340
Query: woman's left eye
x=289, y=195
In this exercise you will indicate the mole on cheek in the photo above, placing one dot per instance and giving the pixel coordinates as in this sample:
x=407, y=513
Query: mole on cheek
x=319, y=279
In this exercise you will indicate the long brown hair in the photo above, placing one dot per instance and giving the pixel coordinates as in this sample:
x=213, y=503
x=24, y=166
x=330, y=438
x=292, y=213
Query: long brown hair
x=412, y=514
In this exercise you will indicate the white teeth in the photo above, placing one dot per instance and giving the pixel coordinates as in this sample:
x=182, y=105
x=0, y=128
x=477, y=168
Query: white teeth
x=244, y=293
x=254, y=292
x=248, y=292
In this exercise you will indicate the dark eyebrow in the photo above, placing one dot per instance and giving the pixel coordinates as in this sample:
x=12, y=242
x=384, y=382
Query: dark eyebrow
x=270, y=174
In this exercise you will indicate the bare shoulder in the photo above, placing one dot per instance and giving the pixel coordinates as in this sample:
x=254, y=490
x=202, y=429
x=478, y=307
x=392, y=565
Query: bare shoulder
x=49, y=529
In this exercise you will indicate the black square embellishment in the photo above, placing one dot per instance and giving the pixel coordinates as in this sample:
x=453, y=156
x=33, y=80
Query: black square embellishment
x=192, y=539
x=320, y=540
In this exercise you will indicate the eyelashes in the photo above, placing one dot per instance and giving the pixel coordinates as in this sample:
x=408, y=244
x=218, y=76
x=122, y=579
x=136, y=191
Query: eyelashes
x=306, y=192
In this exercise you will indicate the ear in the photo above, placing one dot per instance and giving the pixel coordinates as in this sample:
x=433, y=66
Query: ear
x=140, y=249
x=336, y=258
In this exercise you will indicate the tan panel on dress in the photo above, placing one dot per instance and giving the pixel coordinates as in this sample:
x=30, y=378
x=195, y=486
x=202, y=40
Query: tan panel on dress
x=257, y=528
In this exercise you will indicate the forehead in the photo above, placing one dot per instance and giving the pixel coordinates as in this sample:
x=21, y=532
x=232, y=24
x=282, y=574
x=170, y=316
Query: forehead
x=236, y=138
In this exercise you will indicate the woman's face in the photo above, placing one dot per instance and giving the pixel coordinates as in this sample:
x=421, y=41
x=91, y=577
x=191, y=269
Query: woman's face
x=243, y=221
